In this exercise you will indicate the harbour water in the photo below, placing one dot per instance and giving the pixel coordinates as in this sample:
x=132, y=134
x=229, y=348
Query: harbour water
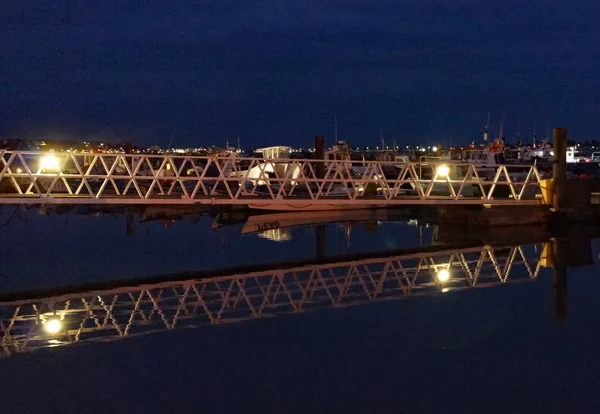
x=377, y=316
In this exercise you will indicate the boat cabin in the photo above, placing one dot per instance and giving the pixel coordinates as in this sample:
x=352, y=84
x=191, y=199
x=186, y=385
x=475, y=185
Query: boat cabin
x=393, y=156
x=485, y=156
x=571, y=155
x=339, y=152
x=278, y=152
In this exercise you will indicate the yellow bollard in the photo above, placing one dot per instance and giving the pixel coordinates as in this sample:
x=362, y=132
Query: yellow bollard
x=547, y=188
x=547, y=256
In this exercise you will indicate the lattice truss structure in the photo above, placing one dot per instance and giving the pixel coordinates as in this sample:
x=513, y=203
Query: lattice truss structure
x=30, y=177
x=114, y=314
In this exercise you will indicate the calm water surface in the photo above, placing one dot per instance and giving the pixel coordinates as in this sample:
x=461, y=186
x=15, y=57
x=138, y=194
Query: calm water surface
x=498, y=349
x=39, y=251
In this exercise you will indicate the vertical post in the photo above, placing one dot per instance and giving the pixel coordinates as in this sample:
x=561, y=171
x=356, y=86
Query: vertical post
x=559, y=169
x=320, y=156
x=321, y=245
x=559, y=280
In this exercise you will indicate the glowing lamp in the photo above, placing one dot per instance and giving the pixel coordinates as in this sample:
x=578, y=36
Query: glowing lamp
x=49, y=163
x=443, y=275
x=53, y=326
x=442, y=171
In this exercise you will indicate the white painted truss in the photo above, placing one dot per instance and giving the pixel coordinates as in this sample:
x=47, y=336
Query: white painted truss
x=107, y=315
x=70, y=178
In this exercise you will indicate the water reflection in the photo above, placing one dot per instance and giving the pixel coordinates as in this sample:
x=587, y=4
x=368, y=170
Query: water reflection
x=91, y=314
x=82, y=244
x=364, y=319
x=271, y=283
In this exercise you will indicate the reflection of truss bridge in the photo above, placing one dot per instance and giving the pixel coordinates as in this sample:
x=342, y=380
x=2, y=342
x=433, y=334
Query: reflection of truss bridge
x=112, y=314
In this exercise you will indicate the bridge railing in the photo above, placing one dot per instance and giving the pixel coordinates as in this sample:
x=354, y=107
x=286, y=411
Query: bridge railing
x=101, y=315
x=33, y=177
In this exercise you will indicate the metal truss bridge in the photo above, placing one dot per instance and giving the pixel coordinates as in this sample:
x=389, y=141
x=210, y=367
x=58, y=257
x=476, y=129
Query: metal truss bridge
x=92, y=315
x=275, y=184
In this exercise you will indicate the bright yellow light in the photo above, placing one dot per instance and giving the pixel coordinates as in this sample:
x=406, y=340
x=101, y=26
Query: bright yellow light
x=53, y=326
x=19, y=171
x=442, y=171
x=49, y=163
x=443, y=275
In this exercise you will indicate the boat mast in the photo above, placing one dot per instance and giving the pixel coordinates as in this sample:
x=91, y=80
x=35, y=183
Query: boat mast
x=485, y=131
x=171, y=140
x=335, y=128
x=500, y=136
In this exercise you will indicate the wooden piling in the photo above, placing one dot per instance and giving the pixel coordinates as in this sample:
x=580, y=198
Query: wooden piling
x=320, y=155
x=559, y=169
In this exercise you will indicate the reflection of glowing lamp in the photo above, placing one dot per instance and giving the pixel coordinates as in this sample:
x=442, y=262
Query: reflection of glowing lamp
x=49, y=163
x=53, y=326
x=278, y=235
x=442, y=171
x=443, y=275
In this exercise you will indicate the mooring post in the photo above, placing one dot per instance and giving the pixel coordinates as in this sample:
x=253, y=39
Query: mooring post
x=559, y=222
x=559, y=169
x=559, y=279
x=321, y=244
x=320, y=156
x=128, y=148
x=558, y=218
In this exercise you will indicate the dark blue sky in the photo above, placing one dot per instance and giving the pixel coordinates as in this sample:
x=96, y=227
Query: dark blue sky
x=277, y=72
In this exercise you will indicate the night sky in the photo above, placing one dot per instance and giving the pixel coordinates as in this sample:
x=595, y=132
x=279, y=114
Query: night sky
x=278, y=72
